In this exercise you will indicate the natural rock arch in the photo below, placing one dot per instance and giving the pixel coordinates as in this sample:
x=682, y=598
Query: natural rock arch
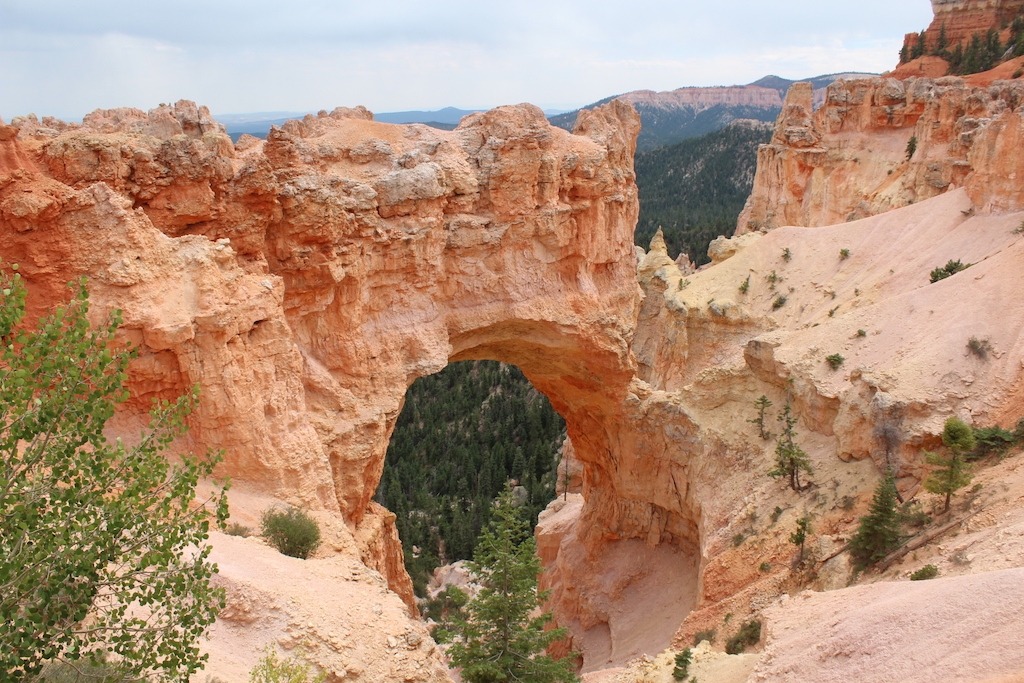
x=305, y=281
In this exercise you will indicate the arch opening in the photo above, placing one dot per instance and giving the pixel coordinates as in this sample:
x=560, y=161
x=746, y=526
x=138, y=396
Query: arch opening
x=462, y=433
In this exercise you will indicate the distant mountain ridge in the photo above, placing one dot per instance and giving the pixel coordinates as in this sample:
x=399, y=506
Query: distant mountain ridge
x=676, y=115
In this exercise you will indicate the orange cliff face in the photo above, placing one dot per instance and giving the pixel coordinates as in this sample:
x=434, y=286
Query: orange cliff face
x=304, y=282
x=849, y=159
x=959, y=20
x=956, y=22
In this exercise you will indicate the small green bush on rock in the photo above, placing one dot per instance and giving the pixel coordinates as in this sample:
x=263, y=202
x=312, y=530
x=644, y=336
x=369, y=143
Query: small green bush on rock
x=272, y=669
x=236, y=529
x=700, y=636
x=951, y=268
x=292, y=531
x=682, y=662
x=749, y=634
x=929, y=571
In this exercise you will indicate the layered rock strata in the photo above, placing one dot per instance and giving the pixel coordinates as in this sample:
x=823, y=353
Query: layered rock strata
x=958, y=20
x=853, y=157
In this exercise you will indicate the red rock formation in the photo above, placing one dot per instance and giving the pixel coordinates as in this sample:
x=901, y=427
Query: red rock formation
x=961, y=19
x=304, y=282
x=848, y=159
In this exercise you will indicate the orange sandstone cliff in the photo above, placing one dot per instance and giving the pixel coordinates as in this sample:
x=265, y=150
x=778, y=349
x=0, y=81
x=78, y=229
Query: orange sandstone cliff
x=851, y=158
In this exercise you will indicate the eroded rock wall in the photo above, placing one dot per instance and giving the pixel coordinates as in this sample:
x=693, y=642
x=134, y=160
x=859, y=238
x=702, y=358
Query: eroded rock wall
x=850, y=158
x=305, y=281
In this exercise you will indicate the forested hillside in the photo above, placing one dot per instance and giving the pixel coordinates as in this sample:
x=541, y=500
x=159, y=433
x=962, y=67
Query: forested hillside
x=695, y=189
x=462, y=434
x=666, y=126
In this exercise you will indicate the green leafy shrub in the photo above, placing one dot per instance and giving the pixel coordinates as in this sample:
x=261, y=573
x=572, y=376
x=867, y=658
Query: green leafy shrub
x=90, y=527
x=779, y=302
x=787, y=254
x=929, y=571
x=951, y=268
x=707, y=634
x=98, y=671
x=765, y=567
x=979, y=347
x=748, y=635
x=745, y=286
x=992, y=439
x=236, y=529
x=271, y=669
x=738, y=539
x=844, y=254
x=292, y=531
x=862, y=333
x=682, y=662
x=834, y=360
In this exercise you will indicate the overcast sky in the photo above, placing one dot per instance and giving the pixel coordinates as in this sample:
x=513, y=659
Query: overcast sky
x=67, y=57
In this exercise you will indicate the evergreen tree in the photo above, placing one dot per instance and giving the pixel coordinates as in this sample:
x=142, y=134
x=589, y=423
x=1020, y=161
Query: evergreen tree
x=499, y=640
x=762, y=404
x=790, y=459
x=953, y=473
x=799, y=537
x=879, y=531
x=942, y=44
x=920, y=48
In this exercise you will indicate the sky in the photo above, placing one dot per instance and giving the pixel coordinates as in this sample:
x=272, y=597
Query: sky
x=65, y=58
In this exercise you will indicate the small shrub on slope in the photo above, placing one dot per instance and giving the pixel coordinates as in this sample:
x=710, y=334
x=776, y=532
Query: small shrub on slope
x=292, y=531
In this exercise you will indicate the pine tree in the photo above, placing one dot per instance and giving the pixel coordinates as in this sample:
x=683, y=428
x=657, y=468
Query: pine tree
x=799, y=537
x=762, y=404
x=790, y=459
x=942, y=44
x=920, y=48
x=499, y=640
x=879, y=531
x=953, y=473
